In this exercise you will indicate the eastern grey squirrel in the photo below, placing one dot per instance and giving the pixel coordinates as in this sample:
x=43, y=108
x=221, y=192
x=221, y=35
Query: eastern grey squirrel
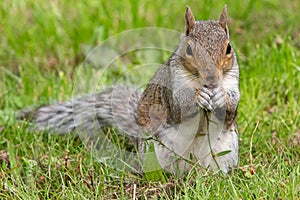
x=189, y=106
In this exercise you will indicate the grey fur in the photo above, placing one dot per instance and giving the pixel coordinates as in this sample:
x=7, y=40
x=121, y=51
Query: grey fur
x=116, y=107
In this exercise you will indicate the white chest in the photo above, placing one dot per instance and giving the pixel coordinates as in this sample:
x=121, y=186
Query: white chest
x=190, y=140
x=193, y=136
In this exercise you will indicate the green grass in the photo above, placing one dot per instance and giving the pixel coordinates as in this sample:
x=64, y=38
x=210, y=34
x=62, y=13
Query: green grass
x=42, y=46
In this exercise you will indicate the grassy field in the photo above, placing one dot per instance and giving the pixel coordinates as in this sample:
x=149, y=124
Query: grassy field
x=42, y=46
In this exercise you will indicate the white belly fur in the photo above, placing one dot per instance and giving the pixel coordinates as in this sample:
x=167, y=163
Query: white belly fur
x=182, y=141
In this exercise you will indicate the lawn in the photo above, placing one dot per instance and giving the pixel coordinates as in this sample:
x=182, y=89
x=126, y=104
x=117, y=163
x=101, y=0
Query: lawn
x=43, y=45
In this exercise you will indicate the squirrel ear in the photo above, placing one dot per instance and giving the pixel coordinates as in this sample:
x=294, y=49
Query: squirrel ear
x=189, y=20
x=223, y=19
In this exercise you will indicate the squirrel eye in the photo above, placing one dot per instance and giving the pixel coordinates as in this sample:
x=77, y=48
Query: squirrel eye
x=228, y=50
x=189, y=50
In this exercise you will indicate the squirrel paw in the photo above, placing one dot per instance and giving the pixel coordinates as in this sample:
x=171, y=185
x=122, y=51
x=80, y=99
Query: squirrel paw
x=204, y=98
x=218, y=98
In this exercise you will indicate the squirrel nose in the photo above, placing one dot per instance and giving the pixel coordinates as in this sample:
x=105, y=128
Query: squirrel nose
x=211, y=79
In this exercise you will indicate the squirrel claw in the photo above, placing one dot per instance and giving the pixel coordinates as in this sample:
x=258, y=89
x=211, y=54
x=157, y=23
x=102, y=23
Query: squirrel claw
x=218, y=98
x=204, y=99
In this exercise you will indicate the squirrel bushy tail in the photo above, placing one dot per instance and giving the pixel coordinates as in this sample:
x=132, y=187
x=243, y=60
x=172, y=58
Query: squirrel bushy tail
x=114, y=107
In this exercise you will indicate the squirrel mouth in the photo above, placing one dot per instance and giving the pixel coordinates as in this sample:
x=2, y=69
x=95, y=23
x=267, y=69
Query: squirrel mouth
x=211, y=86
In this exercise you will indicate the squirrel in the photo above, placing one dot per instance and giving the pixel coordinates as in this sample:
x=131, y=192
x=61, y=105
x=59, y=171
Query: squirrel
x=189, y=106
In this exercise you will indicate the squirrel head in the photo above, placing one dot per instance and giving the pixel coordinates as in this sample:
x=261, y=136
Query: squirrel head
x=205, y=48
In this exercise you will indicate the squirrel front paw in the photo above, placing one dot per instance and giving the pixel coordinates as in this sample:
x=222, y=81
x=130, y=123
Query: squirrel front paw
x=218, y=98
x=218, y=102
x=204, y=98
